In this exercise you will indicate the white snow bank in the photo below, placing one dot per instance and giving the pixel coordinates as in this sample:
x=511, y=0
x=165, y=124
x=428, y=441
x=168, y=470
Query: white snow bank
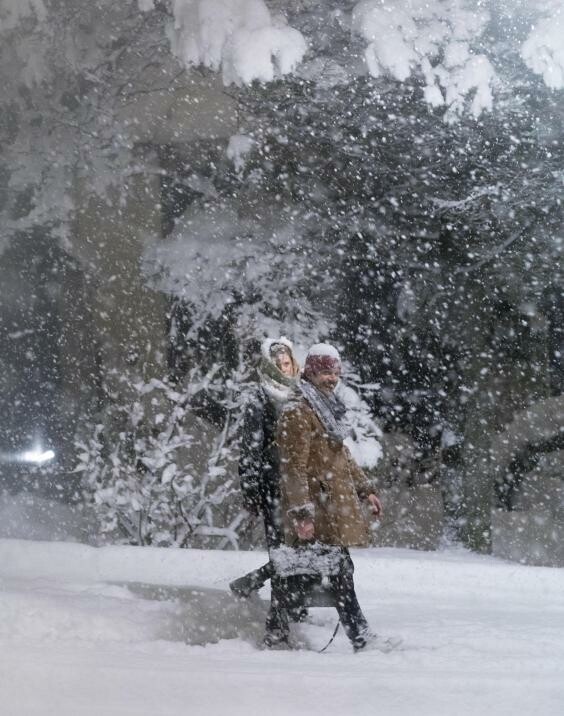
x=87, y=633
x=154, y=565
x=98, y=612
x=28, y=516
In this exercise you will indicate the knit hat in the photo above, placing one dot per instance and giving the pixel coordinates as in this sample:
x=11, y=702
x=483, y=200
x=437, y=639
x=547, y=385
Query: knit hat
x=321, y=356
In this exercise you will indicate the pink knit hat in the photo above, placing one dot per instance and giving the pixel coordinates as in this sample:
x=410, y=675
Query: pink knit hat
x=321, y=356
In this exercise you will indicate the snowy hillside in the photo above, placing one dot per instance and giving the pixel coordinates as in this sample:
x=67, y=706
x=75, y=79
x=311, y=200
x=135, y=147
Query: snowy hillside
x=124, y=630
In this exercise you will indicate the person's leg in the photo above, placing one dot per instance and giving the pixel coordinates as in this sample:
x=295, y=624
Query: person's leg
x=253, y=581
x=274, y=532
x=351, y=616
x=277, y=629
x=247, y=584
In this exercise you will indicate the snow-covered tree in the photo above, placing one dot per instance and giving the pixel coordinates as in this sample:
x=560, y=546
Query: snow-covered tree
x=146, y=479
x=394, y=184
x=70, y=68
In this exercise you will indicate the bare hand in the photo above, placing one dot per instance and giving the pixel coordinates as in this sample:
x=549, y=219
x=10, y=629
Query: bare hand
x=305, y=529
x=375, y=505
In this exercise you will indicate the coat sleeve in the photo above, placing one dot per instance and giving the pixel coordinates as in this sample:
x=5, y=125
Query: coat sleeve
x=250, y=454
x=294, y=439
x=361, y=482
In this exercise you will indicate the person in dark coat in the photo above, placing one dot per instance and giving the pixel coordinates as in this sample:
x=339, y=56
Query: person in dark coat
x=259, y=465
x=322, y=487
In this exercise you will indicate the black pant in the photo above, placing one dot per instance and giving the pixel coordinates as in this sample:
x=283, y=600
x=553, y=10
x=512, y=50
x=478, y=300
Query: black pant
x=277, y=619
x=346, y=602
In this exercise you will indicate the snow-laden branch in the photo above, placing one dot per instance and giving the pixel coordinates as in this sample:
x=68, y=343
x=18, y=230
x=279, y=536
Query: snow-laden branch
x=452, y=44
x=435, y=39
x=239, y=37
x=439, y=39
x=543, y=51
x=463, y=203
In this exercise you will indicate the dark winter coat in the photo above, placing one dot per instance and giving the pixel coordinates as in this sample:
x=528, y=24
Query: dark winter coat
x=320, y=480
x=259, y=462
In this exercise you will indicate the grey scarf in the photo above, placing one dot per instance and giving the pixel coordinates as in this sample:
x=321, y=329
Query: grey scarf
x=329, y=409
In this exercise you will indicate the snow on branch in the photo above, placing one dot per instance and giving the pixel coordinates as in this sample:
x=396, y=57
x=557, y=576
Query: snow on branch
x=474, y=196
x=444, y=41
x=432, y=38
x=543, y=51
x=237, y=150
x=239, y=37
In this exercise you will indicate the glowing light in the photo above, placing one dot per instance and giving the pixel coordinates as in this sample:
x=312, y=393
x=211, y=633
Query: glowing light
x=37, y=456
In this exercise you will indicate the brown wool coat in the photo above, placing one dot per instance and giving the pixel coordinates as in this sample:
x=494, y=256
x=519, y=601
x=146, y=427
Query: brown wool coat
x=319, y=478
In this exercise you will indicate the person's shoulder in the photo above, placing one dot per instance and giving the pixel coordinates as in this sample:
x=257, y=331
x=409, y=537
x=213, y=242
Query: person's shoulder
x=255, y=395
x=255, y=400
x=297, y=408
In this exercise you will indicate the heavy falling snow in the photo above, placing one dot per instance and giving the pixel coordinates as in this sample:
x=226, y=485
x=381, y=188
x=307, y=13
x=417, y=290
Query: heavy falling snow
x=181, y=180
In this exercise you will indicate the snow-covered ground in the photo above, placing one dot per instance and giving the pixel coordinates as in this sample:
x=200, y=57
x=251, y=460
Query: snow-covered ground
x=123, y=630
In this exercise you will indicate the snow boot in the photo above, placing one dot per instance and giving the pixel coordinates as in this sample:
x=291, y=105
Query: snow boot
x=253, y=581
x=298, y=614
x=276, y=639
x=372, y=642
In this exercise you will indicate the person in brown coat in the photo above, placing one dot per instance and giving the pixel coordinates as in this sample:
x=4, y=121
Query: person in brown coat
x=321, y=485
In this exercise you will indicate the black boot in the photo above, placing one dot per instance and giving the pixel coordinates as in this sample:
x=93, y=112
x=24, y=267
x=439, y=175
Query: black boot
x=244, y=586
x=276, y=640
